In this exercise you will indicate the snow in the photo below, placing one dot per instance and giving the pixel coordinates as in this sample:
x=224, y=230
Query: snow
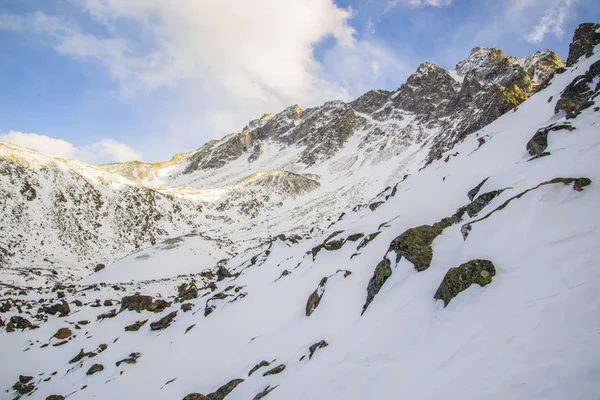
x=531, y=334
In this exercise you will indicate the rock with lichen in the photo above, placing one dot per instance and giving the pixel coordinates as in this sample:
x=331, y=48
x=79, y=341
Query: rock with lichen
x=458, y=279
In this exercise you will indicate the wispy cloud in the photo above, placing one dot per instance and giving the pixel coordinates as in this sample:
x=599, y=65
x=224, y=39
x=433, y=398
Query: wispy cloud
x=553, y=21
x=100, y=152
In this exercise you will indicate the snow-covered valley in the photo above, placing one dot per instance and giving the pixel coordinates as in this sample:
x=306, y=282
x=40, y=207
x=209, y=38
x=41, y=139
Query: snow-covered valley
x=372, y=250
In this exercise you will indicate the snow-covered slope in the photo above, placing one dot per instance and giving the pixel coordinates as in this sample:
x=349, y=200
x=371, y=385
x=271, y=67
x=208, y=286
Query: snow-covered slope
x=474, y=277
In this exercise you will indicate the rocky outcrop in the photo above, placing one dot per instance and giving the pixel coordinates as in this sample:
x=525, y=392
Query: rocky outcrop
x=383, y=271
x=462, y=277
x=315, y=297
x=274, y=371
x=135, y=326
x=139, y=303
x=132, y=359
x=164, y=322
x=224, y=390
x=313, y=348
x=261, y=364
x=481, y=202
x=63, y=333
x=94, y=369
x=539, y=142
x=586, y=37
x=265, y=392
x=581, y=92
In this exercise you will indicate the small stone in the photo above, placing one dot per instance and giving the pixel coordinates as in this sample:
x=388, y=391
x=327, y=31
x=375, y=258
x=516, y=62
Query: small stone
x=135, y=326
x=316, y=347
x=185, y=307
x=164, y=322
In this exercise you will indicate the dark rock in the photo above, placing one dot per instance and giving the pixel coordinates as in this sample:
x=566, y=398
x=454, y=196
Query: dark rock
x=473, y=192
x=315, y=298
x=539, y=142
x=415, y=245
x=222, y=273
x=224, y=390
x=460, y=278
x=334, y=245
x=5, y=307
x=189, y=328
x=316, y=347
x=354, y=237
x=367, y=240
x=63, y=333
x=382, y=272
x=265, y=392
x=80, y=356
x=277, y=370
x=135, y=326
x=580, y=93
x=107, y=303
x=111, y=314
x=62, y=309
x=164, y=322
x=136, y=303
x=132, y=359
x=95, y=368
x=55, y=397
x=261, y=364
x=23, y=389
x=60, y=294
x=25, y=378
x=374, y=206
x=159, y=305
x=481, y=202
x=586, y=37
x=20, y=322
x=185, y=307
x=99, y=267
x=186, y=292
x=195, y=396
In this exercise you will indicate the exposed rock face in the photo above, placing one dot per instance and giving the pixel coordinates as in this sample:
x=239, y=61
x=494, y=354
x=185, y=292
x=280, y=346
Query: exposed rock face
x=473, y=192
x=277, y=370
x=265, y=392
x=382, y=272
x=20, y=322
x=313, y=348
x=63, y=333
x=481, y=202
x=315, y=298
x=136, y=303
x=132, y=359
x=581, y=93
x=459, y=279
x=135, y=326
x=539, y=142
x=95, y=368
x=164, y=322
x=224, y=390
x=415, y=246
x=55, y=397
x=222, y=273
x=186, y=292
x=195, y=396
x=586, y=37
x=282, y=182
x=261, y=364
x=61, y=308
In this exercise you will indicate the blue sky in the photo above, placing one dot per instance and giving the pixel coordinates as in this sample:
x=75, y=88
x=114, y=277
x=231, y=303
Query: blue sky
x=108, y=80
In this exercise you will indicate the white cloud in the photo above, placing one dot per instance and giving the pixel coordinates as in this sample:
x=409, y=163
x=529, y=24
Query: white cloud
x=100, y=152
x=553, y=21
x=417, y=3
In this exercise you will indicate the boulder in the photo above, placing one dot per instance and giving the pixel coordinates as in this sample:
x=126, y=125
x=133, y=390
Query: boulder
x=63, y=333
x=95, y=368
x=164, y=322
x=135, y=326
x=224, y=390
x=274, y=371
x=460, y=278
x=313, y=348
x=383, y=271
x=136, y=303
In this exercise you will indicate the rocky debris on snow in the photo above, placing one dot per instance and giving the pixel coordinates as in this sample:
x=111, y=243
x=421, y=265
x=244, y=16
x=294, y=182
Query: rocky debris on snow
x=261, y=364
x=578, y=185
x=95, y=368
x=581, y=93
x=164, y=322
x=19, y=322
x=313, y=348
x=135, y=326
x=99, y=267
x=354, y=237
x=265, y=392
x=185, y=307
x=462, y=277
x=274, y=371
x=539, y=142
x=63, y=333
x=189, y=328
x=585, y=39
x=375, y=206
x=55, y=397
x=132, y=359
x=23, y=388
